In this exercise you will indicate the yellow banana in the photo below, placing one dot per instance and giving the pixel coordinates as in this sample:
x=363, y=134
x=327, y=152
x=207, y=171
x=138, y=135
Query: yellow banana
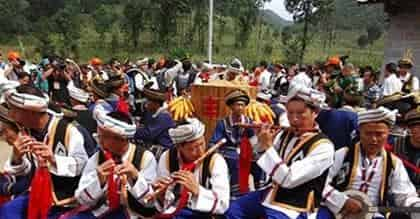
x=186, y=107
x=174, y=105
x=174, y=101
x=190, y=105
x=268, y=108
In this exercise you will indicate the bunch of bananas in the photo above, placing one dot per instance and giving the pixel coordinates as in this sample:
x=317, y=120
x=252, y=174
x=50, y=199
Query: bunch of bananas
x=181, y=108
x=260, y=112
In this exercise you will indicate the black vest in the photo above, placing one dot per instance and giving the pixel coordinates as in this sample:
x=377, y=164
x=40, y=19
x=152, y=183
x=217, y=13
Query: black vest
x=408, y=85
x=205, y=174
x=63, y=187
x=307, y=196
x=349, y=169
x=133, y=204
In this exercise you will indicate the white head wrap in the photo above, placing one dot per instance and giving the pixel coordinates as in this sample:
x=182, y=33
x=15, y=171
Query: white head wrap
x=77, y=93
x=309, y=95
x=380, y=114
x=191, y=131
x=26, y=101
x=116, y=126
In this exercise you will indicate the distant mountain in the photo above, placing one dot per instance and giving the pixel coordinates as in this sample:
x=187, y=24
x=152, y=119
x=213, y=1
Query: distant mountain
x=273, y=19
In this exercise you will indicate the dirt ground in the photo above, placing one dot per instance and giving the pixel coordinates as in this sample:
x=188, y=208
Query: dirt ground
x=5, y=151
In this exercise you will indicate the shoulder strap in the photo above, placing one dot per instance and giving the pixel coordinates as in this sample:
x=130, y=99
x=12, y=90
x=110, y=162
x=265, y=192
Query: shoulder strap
x=138, y=157
x=390, y=166
x=61, y=131
x=173, y=160
x=206, y=170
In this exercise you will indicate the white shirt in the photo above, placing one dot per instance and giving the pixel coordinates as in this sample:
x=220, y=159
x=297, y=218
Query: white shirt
x=214, y=201
x=299, y=172
x=400, y=187
x=70, y=165
x=264, y=82
x=90, y=191
x=302, y=79
x=142, y=79
x=391, y=85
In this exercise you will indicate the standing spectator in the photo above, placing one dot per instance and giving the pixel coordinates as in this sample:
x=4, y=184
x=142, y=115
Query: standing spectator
x=372, y=92
x=15, y=66
x=391, y=84
x=410, y=82
x=58, y=78
x=302, y=78
x=264, y=82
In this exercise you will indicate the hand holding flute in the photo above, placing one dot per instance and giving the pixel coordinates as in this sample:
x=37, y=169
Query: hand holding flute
x=181, y=176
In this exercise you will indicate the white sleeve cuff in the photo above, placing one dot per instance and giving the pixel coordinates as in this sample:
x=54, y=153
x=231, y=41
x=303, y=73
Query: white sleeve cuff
x=92, y=192
x=336, y=201
x=205, y=201
x=269, y=161
x=140, y=188
x=18, y=170
x=65, y=166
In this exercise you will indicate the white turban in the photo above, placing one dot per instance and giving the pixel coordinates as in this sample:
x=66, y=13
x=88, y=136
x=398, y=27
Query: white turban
x=309, y=95
x=191, y=131
x=116, y=126
x=77, y=93
x=380, y=114
x=27, y=101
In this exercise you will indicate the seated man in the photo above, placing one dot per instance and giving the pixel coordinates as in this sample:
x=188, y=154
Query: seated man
x=155, y=123
x=78, y=100
x=368, y=168
x=297, y=160
x=207, y=186
x=53, y=148
x=410, y=151
x=119, y=171
x=10, y=185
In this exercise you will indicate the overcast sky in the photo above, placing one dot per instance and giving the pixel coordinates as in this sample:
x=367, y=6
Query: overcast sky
x=278, y=7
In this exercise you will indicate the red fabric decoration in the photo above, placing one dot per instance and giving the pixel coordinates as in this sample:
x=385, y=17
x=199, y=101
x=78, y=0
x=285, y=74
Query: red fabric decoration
x=40, y=197
x=113, y=196
x=183, y=199
x=210, y=107
x=245, y=158
x=122, y=106
x=4, y=199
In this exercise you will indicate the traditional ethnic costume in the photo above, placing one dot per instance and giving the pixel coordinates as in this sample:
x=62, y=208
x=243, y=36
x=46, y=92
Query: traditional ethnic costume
x=83, y=116
x=10, y=185
x=153, y=133
x=409, y=152
x=238, y=150
x=384, y=179
x=52, y=187
x=212, y=175
x=129, y=197
x=298, y=166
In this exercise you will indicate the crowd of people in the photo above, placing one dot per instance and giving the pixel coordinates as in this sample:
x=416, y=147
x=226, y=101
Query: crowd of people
x=96, y=140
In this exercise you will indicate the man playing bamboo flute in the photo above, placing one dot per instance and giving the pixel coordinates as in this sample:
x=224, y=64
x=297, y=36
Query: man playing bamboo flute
x=297, y=160
x=202, y=189
x=117, y=177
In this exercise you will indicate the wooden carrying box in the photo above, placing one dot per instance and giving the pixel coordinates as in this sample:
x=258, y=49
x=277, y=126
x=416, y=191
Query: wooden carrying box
x=209, y=102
